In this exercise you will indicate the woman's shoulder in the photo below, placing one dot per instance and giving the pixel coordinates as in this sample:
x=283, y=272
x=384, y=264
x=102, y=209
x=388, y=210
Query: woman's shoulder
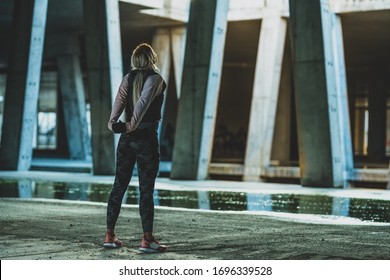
x=155, y=76
x=126, y=76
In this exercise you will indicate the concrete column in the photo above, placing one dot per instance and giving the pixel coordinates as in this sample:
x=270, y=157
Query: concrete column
x=23, y=79
x=178, y=39
x=61, y=140
x=265, y=94
x=281, y=144
x=73, y=102
x=344, y=117
x=104, y=63
x=359, y=132
x=388, y=182
x=162, y=46
x=114, y=44
x=323, y=137
x=200, y=88
x=377, y=118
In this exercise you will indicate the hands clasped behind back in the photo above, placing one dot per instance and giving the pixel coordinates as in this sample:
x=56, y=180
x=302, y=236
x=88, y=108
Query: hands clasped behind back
x=119, y=127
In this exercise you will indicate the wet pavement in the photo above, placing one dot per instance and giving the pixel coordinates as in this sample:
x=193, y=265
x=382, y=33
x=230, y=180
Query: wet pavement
x=48, y=215
x=364, y=209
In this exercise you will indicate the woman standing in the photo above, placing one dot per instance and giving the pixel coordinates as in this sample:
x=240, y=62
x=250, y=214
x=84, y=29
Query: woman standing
x=141, y=96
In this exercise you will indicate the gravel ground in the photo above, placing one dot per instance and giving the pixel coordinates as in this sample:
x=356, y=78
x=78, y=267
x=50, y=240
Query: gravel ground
x=49, y=229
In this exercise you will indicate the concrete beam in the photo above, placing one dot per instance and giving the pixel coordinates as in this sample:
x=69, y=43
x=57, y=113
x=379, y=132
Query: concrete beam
x=289, y=172
x=146, y=3
x=23, y=80
x=200, y=88
x=265, y=95
x=376, y=175
x=323, y=138
x=104, y=64
x=350, y=6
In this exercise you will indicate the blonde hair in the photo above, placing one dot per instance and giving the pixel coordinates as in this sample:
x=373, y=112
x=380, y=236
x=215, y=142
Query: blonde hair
x=143, y=59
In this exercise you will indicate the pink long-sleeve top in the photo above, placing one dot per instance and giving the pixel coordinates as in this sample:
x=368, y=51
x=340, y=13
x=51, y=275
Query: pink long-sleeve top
x=152, y=87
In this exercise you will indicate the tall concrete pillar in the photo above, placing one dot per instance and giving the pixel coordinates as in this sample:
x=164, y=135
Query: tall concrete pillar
x=377, y=118
x=344, y=114
x=320, y=89
x=178, y=40
x=162, y=46
x=200, y=88
x=265, y=93
x=281, y=144
x=23, y=79
x=61, y=140
x=388, y=180
x=74, y=109
x=359, y=133
x=104, y=63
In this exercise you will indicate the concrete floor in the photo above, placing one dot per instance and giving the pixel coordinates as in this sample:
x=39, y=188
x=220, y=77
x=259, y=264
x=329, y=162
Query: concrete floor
x=52, y=229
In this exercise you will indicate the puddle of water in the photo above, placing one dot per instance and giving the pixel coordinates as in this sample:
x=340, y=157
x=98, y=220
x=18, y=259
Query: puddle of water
x=360, y=208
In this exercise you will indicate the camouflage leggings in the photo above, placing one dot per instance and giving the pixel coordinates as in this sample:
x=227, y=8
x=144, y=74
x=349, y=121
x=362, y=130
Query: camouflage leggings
x=140, y=146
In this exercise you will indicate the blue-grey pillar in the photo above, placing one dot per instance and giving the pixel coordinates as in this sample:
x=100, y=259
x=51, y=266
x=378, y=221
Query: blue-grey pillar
x=23, y=79
x=104, y=63
x=73, y=101
x=200, y=89
x=265, y=94
x=321, y=101
x=344, y=114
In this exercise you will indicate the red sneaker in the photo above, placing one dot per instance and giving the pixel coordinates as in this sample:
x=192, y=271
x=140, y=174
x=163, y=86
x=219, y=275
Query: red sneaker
x=152, y=246
x=111, y=241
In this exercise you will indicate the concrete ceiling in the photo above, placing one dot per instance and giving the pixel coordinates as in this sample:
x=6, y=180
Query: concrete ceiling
x=367, y=38
x=66, y=18
x=366, y=34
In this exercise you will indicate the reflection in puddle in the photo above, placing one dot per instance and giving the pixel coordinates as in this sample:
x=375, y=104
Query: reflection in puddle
x=360, y=208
